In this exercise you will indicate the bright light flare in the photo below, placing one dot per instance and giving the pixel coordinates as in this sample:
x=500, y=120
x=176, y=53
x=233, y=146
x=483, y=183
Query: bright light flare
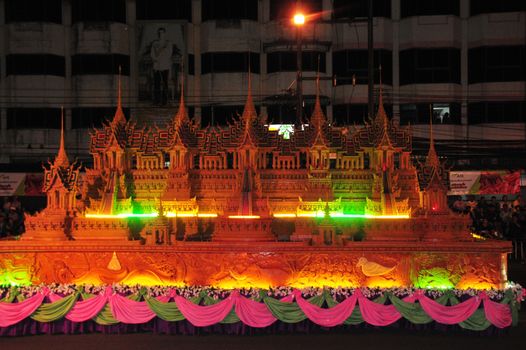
x=243, y=216
x=298, y=19
x=121, y=216
x=284, y=215
x=150, y=215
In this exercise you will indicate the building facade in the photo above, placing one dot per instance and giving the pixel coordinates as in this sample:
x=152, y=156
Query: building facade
x=465, y=57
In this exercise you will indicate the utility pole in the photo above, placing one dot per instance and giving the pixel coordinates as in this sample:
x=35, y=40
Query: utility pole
x=299, y=21
x=299, y=85
x=370, y=62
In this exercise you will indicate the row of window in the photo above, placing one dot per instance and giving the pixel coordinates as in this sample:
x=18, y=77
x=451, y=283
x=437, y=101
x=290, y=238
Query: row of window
x=284, y=113
x=229, y=62
x=496, y=112
x=424, y=66
x=417, y=66
x=443, y=113
x=115, y=10
x=349, y=65
x=343, y=114
x=286, y=61
x=505, y=63
x=350, y=114
x=50, y=118
x=43, y=64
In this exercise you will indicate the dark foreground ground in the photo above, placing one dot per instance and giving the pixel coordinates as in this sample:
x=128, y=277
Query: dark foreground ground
x=382, y=338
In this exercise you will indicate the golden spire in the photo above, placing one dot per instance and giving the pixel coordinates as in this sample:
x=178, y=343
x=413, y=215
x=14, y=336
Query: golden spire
x=61, y=159
x=181, y=116
x=317, y=118
x=381, y=116
x=432, y=157
x=119, y=114
x=249, y=112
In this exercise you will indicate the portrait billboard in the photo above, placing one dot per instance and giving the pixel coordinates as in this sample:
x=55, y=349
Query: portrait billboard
x=162, y=49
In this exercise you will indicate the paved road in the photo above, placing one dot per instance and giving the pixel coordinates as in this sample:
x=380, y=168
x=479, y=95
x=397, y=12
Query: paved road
x=385, y=338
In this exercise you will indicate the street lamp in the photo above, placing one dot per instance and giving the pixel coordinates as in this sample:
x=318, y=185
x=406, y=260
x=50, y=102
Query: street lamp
x=299, y=21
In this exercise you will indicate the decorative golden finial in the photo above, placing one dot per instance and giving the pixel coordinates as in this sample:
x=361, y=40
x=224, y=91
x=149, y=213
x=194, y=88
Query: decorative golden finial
x=381, y=110
x=119, y=99
x=181, y=100
x=381, y=115
x=432, y=157
x=119, y=114
x=317, y=118
x=381, y=119
x=62, y=158
x=249, y=112
x=181, y=116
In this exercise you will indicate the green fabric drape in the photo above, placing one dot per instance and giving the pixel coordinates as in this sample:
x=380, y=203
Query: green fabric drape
x=476, y=322
x=230, y=318
x=413, y=312
x=105, y=317
x=49, y=312
x=290, y=312
x=165, y=311
x=356, y=316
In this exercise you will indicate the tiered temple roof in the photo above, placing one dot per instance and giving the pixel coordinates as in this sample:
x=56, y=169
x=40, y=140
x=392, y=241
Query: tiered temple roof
x=249, y=129
x=61, y=172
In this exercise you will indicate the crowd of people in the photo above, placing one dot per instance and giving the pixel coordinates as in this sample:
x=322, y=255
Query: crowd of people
x=11, y=218
x=501, y=219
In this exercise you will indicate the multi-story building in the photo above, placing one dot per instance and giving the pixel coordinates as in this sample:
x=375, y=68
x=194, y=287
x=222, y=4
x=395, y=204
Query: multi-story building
x=465, y=57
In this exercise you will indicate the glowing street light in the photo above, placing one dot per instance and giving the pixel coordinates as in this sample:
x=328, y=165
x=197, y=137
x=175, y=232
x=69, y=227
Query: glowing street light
x=299, y=19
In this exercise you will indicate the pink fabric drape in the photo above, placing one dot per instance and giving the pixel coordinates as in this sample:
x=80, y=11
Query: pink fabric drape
x=84, y=310
x=449, y=314
x=253, y=313
x=497, y=314
x=326, y=317
x=11, y=313
x=376, y=314
x=256, y=314
x=202, y=316
x=130, y=311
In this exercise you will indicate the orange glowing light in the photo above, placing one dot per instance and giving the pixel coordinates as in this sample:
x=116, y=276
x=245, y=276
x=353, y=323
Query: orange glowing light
x=207, y=215
x=299, y=19
x=171, y=214
x=284, y=215
x=185, y=215
x=243, y=216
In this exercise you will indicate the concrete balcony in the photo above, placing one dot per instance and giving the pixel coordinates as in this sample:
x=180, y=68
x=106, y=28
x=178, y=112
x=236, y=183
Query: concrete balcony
x=235, y=35
x=45, y=90
x=36, y=37
x=430, y=31
x=99, y=90
x=100, y=37
x=507, y=28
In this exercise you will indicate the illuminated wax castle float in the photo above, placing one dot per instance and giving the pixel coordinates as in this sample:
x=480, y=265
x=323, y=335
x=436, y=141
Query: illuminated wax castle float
x=242, y=206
